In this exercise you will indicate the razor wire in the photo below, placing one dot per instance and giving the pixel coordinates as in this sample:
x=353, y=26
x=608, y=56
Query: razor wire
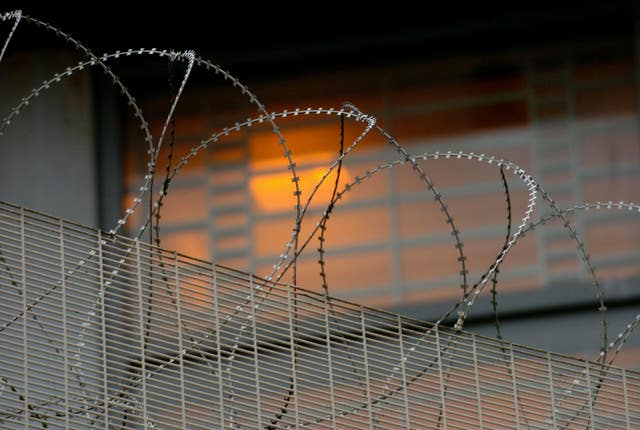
x=293, y=249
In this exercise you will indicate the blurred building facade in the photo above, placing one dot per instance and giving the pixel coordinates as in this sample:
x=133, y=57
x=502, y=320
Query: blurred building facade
x=565, y=111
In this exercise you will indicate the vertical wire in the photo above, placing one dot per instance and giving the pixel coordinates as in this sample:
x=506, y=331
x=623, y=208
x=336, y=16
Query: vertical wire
x=178, y=299
x=255, y=351
x=476, y=374
x=587, y=376
x=441, y=380
x=327, y=325
x=365, y=356
x=218, y=343
x=143, y=343
x=403, y=374
x=65, y=338
x=554, y=420
x=293, y=348
x=514, y=382
x=626, y=398
x=103, y=330
x=25, y=312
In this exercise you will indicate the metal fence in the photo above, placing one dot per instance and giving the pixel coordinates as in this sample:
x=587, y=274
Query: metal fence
x=106, y=332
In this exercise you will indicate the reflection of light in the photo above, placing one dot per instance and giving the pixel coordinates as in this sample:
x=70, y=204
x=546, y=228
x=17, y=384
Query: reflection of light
x=194, y=243
x=193, y=293
x=274, y=191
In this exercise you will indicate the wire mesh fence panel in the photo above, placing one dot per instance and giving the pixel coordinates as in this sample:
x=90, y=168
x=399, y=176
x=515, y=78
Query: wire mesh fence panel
x=102, y=332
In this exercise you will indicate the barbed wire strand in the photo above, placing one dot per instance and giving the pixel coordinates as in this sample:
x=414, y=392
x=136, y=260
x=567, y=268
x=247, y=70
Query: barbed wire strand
x=16, y=15
x=494, y=280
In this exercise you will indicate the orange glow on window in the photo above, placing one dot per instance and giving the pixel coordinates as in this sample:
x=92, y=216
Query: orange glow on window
x=194, y=243
x=273, y=192
x=305, y=142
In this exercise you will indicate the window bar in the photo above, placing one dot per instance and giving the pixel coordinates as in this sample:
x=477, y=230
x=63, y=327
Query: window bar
x=181, y=350
x=255, y=350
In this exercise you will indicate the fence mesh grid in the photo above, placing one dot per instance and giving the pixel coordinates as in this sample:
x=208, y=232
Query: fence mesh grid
x=107, y=332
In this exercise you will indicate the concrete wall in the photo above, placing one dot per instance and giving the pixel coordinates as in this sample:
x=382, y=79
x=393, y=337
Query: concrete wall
x=48, y=152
